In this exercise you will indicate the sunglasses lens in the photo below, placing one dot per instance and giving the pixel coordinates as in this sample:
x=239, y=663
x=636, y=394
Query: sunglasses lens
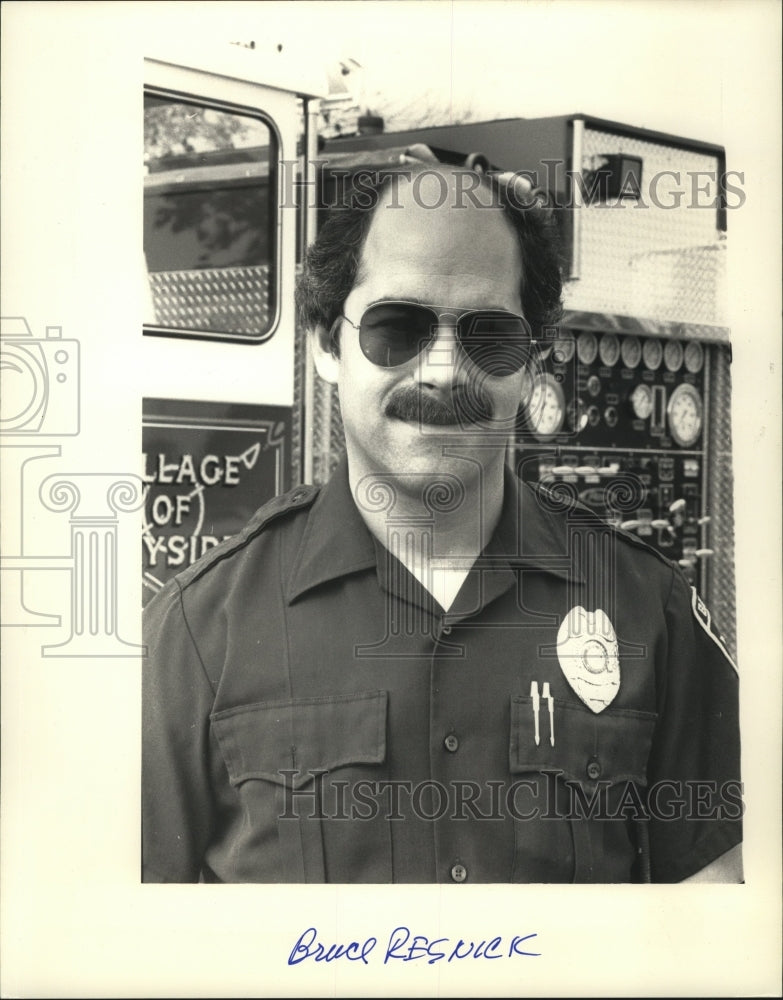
x=498, y=343
x=392, y=333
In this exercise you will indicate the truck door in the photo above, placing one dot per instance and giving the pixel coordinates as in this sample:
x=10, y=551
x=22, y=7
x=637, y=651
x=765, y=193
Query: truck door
x=220, y=246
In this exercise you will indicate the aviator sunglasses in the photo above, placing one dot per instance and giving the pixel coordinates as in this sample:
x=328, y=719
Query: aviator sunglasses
x=394, y=332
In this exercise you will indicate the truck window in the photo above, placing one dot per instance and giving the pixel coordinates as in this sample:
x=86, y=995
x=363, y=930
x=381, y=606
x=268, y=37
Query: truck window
x=210, y=225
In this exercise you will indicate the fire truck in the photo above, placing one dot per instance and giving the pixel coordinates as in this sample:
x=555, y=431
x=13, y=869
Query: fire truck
x=628, y=410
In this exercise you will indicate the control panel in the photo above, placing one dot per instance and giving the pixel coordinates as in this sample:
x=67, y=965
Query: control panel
x=617, y=421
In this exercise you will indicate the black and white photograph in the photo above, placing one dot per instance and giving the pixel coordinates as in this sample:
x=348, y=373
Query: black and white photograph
x=391, y=498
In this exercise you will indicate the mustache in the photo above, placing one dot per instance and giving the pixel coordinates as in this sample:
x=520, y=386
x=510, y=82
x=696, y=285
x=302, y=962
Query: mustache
x=466, y=404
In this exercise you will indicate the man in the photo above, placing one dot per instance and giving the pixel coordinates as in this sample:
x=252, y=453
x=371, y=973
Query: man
x=426, y=671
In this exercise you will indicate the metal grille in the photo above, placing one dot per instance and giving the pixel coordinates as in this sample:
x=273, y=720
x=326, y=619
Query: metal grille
x=298, y=436
x=720, y=587
x=234, y=300
x=328, y=436
x=318, y=427
x=661, y=261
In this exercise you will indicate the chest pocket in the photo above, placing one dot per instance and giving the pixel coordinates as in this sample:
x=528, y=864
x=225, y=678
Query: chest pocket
x=583, y=785
x=294, y=766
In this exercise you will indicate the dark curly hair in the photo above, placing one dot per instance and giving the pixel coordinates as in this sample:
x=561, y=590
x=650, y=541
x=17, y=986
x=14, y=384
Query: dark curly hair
x=332, y=263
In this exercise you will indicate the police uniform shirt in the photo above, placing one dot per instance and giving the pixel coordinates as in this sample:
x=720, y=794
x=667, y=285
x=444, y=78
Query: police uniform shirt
x=311, y=714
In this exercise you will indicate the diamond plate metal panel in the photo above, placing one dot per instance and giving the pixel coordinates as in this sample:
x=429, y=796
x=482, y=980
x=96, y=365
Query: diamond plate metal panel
x=226, y=300
x=661, y=257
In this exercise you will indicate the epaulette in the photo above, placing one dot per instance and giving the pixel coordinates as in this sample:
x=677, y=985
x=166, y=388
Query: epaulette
x=296, y=499
x=586, y=516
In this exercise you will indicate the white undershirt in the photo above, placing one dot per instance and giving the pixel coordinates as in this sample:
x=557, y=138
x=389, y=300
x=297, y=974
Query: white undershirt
x=442, y=577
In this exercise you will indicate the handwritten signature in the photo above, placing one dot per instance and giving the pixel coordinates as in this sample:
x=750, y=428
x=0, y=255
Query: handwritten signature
x=407, y=947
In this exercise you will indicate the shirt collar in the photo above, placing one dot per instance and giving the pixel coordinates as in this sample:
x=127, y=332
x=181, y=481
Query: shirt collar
x=336, y=542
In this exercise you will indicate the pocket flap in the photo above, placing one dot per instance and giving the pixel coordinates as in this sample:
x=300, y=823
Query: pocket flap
x=286, y=741
x=613, y=745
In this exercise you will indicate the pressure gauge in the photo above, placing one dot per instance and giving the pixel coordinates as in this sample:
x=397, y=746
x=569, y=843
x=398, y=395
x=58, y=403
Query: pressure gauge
x=609, y=350
x=694, y=356
x=642, y=401
x=652, y=354
x=586, y=347
x=631, y=351
x=547, y=409
x=672, y=355
x=684, y=413
x=563, y=349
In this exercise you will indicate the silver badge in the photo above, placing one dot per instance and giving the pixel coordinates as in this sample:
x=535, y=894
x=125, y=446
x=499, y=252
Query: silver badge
x=587, y=651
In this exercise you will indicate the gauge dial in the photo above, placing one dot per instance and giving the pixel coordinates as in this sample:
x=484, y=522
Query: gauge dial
x=594, y=385
x=694, y=356
x=642, y=401
x=546, y=410
x=609, y=350
x=586, y=347
x=631, y=351
x=577, y=415
x=673, y=355
x=652, y=354
x=684, y=413
x=563, y=349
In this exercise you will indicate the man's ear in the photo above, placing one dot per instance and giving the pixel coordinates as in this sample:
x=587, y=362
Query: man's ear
x=326, y=362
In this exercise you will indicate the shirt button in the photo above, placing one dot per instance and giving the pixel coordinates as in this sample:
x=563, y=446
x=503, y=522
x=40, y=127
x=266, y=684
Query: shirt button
x=446, y=630
x=459, y=873
x=451, y=743
x=593, y=769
